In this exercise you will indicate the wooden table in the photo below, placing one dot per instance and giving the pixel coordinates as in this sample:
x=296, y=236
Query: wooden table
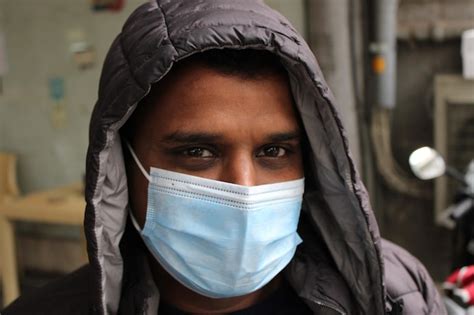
x=63, y=205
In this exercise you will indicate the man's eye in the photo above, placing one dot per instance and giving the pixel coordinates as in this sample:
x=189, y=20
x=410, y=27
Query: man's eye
x=272, y=151
x=198, y=153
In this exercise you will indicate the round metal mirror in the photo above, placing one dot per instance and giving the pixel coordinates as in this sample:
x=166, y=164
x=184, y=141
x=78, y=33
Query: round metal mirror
x=427, y=163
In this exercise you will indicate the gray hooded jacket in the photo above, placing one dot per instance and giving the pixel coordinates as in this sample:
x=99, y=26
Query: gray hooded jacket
x=343, y=265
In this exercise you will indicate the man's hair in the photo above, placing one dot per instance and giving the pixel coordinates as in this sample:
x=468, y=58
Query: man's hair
x=247, y=64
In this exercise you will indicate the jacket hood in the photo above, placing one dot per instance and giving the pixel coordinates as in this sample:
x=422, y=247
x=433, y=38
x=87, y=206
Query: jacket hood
x=157, y=35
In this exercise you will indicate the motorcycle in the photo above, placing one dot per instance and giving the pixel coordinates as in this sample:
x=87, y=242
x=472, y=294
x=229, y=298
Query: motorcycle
x=426, y=163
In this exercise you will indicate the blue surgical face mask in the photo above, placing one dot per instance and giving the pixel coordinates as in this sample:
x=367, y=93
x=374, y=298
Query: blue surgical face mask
x=220, y=239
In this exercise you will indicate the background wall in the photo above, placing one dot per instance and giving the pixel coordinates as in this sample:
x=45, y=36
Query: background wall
x=412, y=127
x=294, y=10
x=428, y=44
x=334, y=35
x=428, y=33
x=51, y=142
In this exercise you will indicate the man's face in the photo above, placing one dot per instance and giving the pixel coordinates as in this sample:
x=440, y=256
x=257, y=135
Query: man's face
x=221, y=127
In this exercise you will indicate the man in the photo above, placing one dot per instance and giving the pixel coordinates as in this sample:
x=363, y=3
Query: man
x=212, y=119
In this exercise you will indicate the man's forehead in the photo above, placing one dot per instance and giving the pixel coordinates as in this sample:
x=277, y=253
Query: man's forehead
x=239, y=65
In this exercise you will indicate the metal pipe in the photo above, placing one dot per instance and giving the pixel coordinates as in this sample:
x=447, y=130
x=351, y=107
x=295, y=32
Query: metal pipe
x=329, y=37
x=384, y=52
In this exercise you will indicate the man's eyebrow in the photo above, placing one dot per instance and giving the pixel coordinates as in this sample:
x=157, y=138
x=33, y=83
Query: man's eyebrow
x=190, y=137
x=284, y=136
x=203, y=137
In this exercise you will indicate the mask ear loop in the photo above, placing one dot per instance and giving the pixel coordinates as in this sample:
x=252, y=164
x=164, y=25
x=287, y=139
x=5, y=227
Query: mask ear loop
x=140, y=166
x=142, y=169
x=134, y=221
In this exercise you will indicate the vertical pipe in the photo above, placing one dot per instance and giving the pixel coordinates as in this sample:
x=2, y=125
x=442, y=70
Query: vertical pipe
x=384, y=53
x=329, y=37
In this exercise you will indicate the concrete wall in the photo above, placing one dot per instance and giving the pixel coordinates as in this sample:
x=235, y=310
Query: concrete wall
x=435, y=19
x=333, y=39
x=428, y=44
x=50, y=141
x=410, y=221
x=294, y=10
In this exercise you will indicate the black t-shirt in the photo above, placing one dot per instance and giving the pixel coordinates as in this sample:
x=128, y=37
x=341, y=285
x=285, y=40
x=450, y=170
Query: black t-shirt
x=283, y=301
